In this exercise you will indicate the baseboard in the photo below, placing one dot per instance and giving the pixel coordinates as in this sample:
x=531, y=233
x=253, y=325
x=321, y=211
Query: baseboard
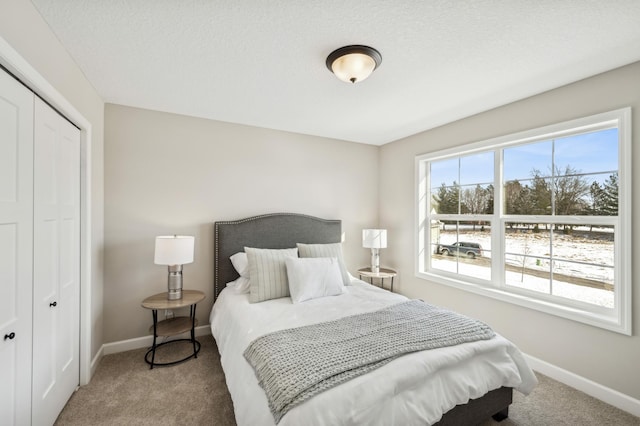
x=96, y=360
x=146, y=341
x=596, y=390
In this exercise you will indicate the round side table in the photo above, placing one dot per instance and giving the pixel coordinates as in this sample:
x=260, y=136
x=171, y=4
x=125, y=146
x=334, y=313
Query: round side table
x=173, y=326
x=384, y=273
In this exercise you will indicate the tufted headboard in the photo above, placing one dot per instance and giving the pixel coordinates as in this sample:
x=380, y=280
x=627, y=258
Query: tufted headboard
x=276, y=230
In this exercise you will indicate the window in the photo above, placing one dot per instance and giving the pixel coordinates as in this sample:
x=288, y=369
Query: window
x=540, y=218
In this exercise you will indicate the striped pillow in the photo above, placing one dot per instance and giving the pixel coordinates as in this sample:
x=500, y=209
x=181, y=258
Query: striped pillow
x=268, y=273
x=326, y=250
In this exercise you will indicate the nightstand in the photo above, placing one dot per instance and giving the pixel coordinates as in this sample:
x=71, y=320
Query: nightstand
x=384, y=273
x=173, y=326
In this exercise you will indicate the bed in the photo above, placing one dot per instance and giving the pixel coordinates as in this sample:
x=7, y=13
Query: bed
x=460, y=385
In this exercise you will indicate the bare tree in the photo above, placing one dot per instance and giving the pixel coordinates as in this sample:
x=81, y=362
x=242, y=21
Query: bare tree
x=569, y=190
x=526, y=250
x=475, y=201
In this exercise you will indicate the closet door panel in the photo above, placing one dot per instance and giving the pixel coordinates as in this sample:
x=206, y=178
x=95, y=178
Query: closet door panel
x=16, y=244
x=69, y=249
x=45, y=289
x=56, y=263
x=45, y=316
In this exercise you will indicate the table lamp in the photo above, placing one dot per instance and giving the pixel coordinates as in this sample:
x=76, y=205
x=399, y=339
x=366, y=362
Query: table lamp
x=174, y=251
x=375, y=239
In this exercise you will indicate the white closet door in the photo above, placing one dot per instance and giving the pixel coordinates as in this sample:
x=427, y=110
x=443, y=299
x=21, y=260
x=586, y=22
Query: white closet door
x=16, y=239
x=56, y=288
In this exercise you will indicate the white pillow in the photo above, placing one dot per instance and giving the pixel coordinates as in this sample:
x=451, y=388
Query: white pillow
x=268, y=273
x=240, y=263
x=326, y=250
x=310, y=278
x=241, y=285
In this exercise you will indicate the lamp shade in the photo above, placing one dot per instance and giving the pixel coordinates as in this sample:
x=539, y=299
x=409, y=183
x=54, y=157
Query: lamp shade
x=353, y=64
x=374, y=238
x=174, y=250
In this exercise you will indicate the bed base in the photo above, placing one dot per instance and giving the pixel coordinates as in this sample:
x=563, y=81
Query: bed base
x=284, y=230
x=492, y=404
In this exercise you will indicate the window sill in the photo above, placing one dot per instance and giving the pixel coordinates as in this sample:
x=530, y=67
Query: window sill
x=618, y=324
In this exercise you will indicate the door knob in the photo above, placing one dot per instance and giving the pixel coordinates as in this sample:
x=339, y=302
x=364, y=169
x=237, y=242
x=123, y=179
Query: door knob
x=54, y=304
x=9, y=336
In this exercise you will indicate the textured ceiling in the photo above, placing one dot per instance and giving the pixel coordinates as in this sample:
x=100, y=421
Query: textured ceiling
x=262, y=63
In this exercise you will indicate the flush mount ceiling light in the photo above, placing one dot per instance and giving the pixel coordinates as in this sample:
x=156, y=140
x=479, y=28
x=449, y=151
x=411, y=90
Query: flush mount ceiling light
x=352, y=64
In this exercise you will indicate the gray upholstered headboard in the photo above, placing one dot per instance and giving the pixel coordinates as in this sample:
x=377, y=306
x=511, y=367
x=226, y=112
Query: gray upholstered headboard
x=277, y=231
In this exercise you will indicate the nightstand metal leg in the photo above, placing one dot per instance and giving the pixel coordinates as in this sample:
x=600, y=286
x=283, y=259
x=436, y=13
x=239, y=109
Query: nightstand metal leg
x=193, y=332
x=155, y=336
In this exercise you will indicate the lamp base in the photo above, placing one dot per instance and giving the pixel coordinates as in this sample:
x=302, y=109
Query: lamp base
x=174, y=282
x=174, y=294
x=375, y=260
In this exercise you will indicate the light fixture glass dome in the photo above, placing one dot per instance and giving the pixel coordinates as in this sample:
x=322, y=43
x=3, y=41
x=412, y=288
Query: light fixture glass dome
x=352, y=64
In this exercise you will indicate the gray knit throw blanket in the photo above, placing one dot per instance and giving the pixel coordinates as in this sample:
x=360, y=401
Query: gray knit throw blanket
x=295, y=364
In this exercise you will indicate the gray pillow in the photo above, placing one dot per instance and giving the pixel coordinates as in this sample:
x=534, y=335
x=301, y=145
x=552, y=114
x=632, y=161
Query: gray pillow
x=326, y=250
x=268, y=273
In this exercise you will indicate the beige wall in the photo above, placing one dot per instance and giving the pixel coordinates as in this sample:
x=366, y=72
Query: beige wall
x=168, y=173
x=23, y=28
x=605, y=357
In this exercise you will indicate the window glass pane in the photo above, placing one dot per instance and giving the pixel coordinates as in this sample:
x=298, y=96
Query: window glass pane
x=446, y=199
x=528, y=197
x=523, y=277
x=584, y=283
x=478, y=267
x=531, y=239
x=527, y=256
x=444, y=172
x=445, y=235
x=520, y=162
x=449, y=231
x=476, y=199
x=589, y=244
x=436, y=227
x=601, y=198
x=517, y=197
x=588, y=152
x=463, y=248
x=477, y=168
x=517, y=277
x=569, y=188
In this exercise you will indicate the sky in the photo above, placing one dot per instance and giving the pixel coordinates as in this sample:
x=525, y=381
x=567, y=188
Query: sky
x=594, y=153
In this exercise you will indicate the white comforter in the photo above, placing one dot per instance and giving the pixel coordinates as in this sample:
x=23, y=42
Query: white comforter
x=413, y=389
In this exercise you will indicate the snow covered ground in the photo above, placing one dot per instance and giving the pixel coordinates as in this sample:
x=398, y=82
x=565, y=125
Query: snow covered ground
x=583, y=261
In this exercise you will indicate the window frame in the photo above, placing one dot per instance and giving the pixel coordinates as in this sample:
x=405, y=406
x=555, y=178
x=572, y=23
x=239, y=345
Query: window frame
x=617, y=319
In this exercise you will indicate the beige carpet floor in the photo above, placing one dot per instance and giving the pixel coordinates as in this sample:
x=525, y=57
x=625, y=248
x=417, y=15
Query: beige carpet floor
x=124, y=391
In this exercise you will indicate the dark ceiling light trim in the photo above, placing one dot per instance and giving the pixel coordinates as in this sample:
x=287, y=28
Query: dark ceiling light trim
x=353, y=63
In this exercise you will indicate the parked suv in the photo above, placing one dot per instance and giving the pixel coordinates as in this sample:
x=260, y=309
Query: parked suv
x=471, y=250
